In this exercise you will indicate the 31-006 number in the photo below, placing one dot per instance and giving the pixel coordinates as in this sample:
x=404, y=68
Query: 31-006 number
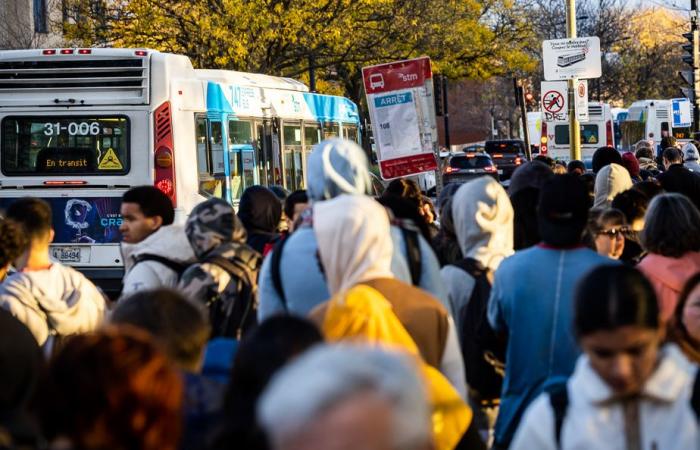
x=73, y=128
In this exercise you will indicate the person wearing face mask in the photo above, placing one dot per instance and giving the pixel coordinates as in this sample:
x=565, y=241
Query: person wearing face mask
x=628, y=389
x=684, y=328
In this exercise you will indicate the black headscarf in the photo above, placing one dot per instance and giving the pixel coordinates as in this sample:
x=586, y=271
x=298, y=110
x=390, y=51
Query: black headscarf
x=260, y=211
x=20, y=366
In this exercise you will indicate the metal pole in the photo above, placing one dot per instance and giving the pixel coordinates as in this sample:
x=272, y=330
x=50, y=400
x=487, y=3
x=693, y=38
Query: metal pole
x=445, y=113
x=574, y=131
x=696, y=65
x=523, y=117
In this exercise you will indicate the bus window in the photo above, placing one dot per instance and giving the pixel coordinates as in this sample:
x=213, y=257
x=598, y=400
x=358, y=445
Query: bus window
x=589, y=134
x=236, y=179
x=75, y=145
x=331, y=130
x=217, y=148
x=239, y=132
x=350, y=132
x=312, y=136
x=262, y=146
x=248, y=167
x=209, y=185
x=293, y=172
x=202, y=151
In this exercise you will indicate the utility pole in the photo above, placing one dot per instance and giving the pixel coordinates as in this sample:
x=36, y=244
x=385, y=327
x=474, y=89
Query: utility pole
x=574, y=130
x=312, y=73
x=446, y=113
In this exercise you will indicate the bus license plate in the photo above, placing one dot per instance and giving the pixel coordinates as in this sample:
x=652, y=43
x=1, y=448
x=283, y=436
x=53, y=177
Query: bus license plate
x=70, y=254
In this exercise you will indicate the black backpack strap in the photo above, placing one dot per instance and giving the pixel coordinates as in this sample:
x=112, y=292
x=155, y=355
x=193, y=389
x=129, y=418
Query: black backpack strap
x=275, y=271
x=412, y=242
x=175, y=266
x=471, y=266
x=695, y=397
x=559, y=400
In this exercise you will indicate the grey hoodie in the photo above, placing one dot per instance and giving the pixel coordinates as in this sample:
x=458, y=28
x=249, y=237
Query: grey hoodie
x=483, y=219
x=610, y=181
x=58, y=299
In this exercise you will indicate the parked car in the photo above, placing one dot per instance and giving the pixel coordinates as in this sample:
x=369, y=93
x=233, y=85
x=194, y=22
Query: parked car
x=461, y=168
x=508, y=155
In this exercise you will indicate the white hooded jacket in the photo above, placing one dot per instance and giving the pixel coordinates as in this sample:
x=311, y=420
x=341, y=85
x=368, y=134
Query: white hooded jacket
x=57, y=300
x=483, y=220
x=355, y=246
x=169, y=242
x=595, y=420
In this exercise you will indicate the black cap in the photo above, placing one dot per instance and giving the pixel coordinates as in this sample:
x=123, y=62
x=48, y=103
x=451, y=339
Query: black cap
x=562, y=211
x=605, y=156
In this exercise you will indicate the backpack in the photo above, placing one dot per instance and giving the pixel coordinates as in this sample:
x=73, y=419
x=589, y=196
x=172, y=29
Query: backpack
x=559, y=401
x=482, y=349
x=229, y=317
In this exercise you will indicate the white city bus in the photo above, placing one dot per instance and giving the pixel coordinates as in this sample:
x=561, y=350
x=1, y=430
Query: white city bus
x=596, y=132
x=78, y=127
x=652, y=120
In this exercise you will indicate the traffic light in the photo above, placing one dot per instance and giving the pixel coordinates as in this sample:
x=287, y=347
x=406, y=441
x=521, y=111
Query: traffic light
x=438, y=94
x=691, y=76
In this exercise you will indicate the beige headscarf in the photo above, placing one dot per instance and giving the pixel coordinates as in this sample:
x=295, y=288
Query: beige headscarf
x=354, y=241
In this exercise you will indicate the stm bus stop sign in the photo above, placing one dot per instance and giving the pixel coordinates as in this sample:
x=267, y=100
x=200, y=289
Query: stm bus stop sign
x=565, y=59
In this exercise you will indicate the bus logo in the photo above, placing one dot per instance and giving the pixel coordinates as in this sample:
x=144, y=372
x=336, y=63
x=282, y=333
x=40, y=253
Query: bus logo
x=376, y=81
x=571, y=59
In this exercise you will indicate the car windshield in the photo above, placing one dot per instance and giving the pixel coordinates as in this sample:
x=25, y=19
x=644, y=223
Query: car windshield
x=504, y=147
x=475, y=162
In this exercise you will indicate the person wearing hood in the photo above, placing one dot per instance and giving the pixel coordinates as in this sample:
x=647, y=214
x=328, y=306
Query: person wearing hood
x=483, y=220
x=610, y=181
x=335, y=167
x=691, y=158
x=645, y=155
x=531, y=301
x=21, y=362
x=154, y=250
x=524, y=192
x=671, y=236
x=52, y=300
x=354, y=246
x=260, y=211
x=225, y=276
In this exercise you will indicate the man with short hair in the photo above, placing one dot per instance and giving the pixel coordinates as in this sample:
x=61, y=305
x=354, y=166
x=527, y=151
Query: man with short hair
x=155, y=251
x=346, y=398
x=531, y=300
x=51, y=299
x=181, y=329
x=678, y=178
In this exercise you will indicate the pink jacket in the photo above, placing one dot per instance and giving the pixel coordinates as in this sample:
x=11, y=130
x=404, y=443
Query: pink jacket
x=668, y=275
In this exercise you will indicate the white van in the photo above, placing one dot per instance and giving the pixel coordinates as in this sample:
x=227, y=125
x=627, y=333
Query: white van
x=596, y=132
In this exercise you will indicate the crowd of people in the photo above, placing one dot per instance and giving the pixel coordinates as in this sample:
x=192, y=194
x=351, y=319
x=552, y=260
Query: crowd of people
x=560, y=312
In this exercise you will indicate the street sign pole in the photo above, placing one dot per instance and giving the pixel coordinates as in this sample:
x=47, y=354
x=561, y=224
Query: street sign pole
x=574, y=131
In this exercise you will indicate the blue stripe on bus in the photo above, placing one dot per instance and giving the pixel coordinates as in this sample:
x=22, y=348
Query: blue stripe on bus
x=329, y=108
x=216, y=101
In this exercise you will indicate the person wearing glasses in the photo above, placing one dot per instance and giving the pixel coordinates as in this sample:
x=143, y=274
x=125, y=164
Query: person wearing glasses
x=608, y=232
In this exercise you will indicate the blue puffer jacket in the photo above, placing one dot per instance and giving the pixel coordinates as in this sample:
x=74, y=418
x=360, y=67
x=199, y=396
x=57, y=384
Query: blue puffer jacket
x=335, y=167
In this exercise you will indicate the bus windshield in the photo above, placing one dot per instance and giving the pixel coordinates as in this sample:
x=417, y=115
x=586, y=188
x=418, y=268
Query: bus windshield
x=65, y=145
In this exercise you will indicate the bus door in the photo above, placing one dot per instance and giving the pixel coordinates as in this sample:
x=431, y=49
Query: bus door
x=266, y=157
x=292, y=156
x=210, y=158
x=312, y=136
x=241, y=157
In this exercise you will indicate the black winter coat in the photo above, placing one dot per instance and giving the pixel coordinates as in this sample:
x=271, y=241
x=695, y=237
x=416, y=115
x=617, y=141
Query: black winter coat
x=681, y=180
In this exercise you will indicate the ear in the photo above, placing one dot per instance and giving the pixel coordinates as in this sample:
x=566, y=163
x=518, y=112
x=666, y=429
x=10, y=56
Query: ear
x=157, y=221
x=52, y=235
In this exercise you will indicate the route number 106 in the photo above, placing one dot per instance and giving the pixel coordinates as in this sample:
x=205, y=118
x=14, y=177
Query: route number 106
x=73, y=128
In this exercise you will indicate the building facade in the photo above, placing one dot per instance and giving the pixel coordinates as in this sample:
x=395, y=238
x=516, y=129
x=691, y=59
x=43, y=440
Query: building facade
x=30, y=24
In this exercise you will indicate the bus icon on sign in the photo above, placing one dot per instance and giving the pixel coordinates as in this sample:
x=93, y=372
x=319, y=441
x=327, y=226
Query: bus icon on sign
x=376, y=81
x=570, y=59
